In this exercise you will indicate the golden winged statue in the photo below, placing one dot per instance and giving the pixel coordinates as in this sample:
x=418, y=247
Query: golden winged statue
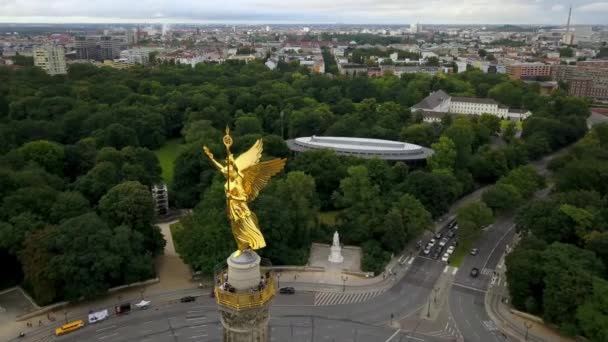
x=245, y=177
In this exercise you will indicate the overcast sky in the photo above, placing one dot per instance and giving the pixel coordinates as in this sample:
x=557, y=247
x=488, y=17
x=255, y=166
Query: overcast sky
x=306, y=11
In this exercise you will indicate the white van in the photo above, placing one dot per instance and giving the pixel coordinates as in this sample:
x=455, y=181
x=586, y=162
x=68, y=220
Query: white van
x=98, y=316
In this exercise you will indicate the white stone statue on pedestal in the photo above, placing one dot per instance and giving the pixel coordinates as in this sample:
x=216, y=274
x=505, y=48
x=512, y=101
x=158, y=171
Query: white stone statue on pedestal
x=335, y=255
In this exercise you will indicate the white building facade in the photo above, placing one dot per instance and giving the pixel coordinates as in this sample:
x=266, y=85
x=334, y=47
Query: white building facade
x=51, y=59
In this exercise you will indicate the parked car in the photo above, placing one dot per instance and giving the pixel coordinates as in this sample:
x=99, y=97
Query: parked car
x=426, y=251
x=452, y=224
x=436, y=255
x=443, y=242
x=438, y=235
x=287, y=290
x=432, y=243
x=474, y=272
x=446, y=257
x=474, y=251
x=451, y=249
x=187, y=299
x=451, y=234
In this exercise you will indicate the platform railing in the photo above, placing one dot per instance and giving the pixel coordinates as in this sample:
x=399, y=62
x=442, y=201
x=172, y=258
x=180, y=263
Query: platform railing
x=245, y=300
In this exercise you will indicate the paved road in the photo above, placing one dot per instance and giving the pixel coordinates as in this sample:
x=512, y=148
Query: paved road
x=294, y=318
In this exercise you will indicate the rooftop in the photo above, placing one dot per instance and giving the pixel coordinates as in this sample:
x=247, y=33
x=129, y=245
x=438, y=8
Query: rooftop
x=432, y=101
x=473, y=100
x=362, y=147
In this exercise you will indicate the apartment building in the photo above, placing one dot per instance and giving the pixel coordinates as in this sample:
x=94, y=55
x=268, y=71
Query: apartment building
x=86, y=47
x=520, y=71
x=51, y=59
x=109, y=47
x=586, y=81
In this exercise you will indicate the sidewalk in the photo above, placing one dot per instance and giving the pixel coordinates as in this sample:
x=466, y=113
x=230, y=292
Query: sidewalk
x=332, y=281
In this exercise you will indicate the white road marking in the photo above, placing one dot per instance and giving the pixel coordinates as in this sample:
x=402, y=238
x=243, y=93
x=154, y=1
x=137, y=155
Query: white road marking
x=393, y=335
x=445, y=270
x=197, y=336
x=148, y=322
x=455, y=270
x=411, y=261
x=197, y=326
x=195, y=318
x=102, y=337
x=106, y=328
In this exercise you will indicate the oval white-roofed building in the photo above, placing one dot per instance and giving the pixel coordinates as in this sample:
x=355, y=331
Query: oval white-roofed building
x=362, y=147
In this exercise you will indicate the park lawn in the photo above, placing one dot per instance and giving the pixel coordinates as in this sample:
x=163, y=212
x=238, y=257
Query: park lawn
x=328, y=217
x=166, y=156
x=504, y=123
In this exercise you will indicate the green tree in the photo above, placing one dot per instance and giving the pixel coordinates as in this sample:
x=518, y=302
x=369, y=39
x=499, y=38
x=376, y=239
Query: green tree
x=130, y=204
x=461, y=133
x=472, y=218
x=444, y=156
x=46, y=154
x=67, y=205
x=502, y=197
x=492, y=122
x=592, y=314
x=289, y=230
x=362, y=204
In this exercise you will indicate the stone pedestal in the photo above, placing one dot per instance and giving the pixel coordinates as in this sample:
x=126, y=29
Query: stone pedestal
x=244, y=312
x=244, y=271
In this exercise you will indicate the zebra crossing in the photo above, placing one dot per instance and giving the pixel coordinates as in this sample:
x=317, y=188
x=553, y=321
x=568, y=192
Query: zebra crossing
x=490, y=325
x=450, y=331
x=337, y=298
x=487, y=271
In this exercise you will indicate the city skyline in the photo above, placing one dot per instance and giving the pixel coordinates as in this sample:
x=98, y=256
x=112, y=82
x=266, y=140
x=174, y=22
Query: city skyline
x=308, y=12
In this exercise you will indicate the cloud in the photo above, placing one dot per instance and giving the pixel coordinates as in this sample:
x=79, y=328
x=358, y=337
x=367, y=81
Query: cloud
x=303, y=11
x=594, y=7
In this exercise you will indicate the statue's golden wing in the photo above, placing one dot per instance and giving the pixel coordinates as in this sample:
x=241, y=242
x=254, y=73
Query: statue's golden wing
x=257, y=176
x=249, y=158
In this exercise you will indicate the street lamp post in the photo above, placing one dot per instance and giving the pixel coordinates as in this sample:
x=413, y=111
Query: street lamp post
x=344, y=279
x=65, y=316
x=428, y=311
x=279, y=279
x=528, y=325
x=436, y=290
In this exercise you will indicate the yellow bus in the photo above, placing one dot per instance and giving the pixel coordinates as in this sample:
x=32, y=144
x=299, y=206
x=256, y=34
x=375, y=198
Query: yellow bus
x=66, y=328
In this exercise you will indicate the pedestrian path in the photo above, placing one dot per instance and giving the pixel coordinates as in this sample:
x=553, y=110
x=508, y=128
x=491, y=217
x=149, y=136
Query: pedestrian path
x=338, y=298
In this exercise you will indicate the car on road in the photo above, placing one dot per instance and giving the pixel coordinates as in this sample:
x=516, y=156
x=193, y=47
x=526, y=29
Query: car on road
x=451, y=249
x=436, y=255
x=446, y=257
x=474, y=251
x=438, y=235
x=451, y=234
x=187, y=299
x=287, y=290
x=443, y=242
x=474, y=272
